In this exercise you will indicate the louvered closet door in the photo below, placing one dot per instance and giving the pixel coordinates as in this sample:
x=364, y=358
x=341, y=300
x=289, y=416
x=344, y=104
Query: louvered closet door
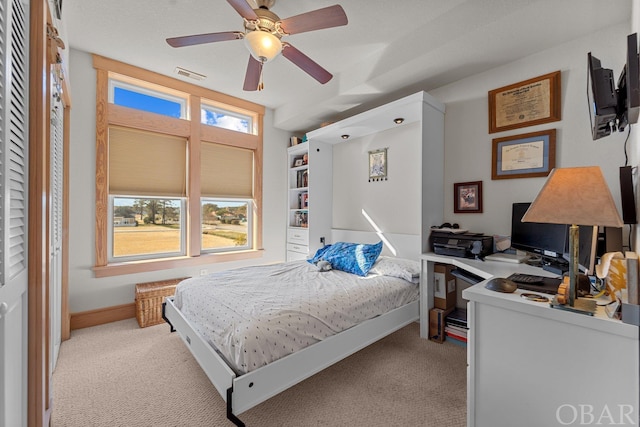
x=55, y=225
x=13, y=211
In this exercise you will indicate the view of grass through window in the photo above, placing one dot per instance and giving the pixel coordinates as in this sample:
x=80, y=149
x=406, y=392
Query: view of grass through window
x=225, y=224
x=146, y=226
x=153, y=226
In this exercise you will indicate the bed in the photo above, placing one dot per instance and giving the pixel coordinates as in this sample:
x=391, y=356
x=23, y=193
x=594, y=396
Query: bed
x=249, y=362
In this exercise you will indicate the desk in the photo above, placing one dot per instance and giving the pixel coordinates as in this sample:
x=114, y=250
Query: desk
x=531, y=365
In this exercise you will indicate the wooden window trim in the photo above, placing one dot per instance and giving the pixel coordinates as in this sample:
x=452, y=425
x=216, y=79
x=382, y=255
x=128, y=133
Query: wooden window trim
x=109, y=114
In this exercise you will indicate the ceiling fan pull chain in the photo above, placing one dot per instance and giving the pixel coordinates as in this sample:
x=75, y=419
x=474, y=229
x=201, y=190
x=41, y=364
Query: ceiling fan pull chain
x=261, y=84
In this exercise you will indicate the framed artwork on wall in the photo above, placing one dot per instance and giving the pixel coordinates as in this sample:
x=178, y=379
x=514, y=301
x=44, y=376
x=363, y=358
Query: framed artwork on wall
x=467, y=197
x=524, y=156
x=378, y=165
x=527, y=103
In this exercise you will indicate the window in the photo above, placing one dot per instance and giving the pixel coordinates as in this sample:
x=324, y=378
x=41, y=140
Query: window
x=173, y=190
x=129, y=94
x=145, y=228
x=212, y=114
x=226, y=225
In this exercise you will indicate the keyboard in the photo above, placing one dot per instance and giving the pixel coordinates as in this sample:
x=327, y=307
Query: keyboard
x=502, y=257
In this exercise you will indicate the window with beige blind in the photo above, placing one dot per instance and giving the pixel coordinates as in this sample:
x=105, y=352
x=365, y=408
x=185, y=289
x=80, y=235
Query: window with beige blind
x=176, y=179
x=226, y=177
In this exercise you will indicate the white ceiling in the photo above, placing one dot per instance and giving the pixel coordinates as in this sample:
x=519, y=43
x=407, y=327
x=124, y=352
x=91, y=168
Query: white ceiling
x=388, y=48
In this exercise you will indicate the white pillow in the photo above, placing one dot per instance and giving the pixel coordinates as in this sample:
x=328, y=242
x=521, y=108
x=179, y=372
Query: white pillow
x=406, y=269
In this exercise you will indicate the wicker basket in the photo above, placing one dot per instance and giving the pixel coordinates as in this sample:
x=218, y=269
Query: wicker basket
x=149, y=299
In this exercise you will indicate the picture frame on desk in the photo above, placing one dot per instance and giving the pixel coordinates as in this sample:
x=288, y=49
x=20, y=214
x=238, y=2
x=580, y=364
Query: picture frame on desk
x=467, y=197
x=524, y=156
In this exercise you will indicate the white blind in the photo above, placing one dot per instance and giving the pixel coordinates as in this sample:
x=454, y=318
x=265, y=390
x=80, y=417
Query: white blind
x=226, y=171
x=146, y=163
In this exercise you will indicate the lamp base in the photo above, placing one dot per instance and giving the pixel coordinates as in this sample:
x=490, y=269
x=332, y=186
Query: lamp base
x=581, y=305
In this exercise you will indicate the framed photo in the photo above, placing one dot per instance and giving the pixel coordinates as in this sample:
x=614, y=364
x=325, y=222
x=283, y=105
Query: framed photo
x=467, y=197
x=527, y=103
x=524, y=156
x=378, y=165
x=298, y=161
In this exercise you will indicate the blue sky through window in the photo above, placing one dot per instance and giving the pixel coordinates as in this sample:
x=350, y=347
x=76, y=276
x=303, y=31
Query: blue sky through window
x=156, y=104
x=140, y=101
x=222, y=120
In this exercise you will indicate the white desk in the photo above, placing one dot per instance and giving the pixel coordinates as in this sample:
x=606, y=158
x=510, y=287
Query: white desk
x=531, y=365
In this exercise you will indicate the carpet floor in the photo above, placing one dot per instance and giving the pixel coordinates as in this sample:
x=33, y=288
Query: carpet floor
x=122, y=375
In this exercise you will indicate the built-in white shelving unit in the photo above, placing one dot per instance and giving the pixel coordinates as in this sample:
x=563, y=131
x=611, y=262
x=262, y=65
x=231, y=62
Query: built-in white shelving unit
x=309, y=198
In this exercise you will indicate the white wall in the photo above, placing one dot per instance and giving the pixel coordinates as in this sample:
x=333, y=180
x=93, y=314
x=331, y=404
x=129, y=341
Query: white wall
x=468, y=143
x=393, y=205
x=85, y=291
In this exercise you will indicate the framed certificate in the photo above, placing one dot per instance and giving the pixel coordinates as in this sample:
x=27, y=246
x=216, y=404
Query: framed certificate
x=524, y=156
x=527, y=103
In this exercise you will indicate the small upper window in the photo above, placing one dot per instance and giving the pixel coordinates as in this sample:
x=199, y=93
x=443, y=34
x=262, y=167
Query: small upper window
x=215, y=116
x=145, y=98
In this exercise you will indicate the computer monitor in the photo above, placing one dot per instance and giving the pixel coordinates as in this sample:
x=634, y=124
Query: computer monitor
x=551, y=241
x=547, y=240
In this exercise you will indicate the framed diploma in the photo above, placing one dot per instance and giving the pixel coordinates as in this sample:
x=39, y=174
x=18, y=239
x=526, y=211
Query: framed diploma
x=524, y=156
x=531, y=102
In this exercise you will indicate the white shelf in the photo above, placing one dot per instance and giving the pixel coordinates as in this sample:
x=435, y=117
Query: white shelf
x=303, y=241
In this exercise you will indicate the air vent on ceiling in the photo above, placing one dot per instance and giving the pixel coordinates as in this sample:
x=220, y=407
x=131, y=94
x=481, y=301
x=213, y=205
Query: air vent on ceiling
x=190, y=74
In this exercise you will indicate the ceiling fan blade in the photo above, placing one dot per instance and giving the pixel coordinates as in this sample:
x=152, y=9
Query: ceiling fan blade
x=204, y=38
x=307, y=64
x=252, y=77
x=332, y=16
x=244, y=9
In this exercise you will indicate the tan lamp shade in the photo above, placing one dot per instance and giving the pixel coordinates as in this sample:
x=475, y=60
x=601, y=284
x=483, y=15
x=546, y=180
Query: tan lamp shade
x=577, y=196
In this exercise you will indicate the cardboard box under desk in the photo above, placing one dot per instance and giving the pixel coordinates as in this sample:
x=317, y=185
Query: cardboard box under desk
x=437, y=321
x=444, y=287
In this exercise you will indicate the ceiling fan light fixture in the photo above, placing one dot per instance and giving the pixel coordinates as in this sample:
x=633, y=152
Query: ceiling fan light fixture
x=263, y=45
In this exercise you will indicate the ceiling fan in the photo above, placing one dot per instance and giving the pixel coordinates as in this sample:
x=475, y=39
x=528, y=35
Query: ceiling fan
x=263, y=31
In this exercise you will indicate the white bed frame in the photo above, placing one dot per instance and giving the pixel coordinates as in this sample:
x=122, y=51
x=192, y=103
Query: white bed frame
x=242, y=392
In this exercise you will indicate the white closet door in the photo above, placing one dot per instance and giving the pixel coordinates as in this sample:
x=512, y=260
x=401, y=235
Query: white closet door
x=55, y=225
x=14, y=50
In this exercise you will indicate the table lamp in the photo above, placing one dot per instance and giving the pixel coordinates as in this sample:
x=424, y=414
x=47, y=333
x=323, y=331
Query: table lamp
x=574, y=196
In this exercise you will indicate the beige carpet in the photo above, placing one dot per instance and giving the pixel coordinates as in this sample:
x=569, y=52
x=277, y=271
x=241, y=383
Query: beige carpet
x=121, y=375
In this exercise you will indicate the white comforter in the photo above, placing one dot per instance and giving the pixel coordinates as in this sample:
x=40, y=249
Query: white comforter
x=256, y=315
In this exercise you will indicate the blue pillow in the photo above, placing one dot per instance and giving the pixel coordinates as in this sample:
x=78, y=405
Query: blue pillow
x=356, y=258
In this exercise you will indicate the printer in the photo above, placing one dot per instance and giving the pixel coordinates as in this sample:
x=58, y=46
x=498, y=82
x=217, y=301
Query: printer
x=464, y=245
